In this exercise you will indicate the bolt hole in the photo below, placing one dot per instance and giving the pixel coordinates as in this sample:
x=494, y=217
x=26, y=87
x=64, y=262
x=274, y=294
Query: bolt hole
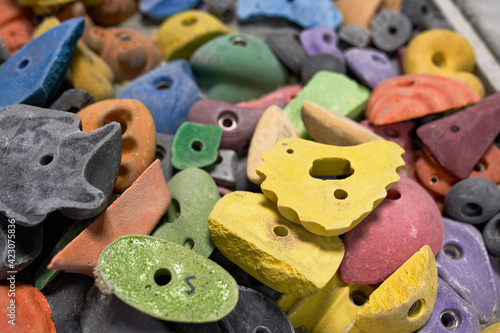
x=416, y=309
x=162, y=277
x=289, y=151
x=23, y=63
x=189, y=243
x=189, y=21
x=393, y=195
x=452, y=251
x=197, y=145
x=393, y=30
x=280, y=231
x=227, y=121
x=239, y=41
x=46, y=159
x=358, y=297
x=391, y=133
x=124, y=37
x=160, y=153
x=434, y=180
x=262, y=329
x=327, y=38
x=148, y=287
x=340, y=194
x=449, y=320
x=163, y=85
x=378, y=60
x=174, y=211
x=472, y=209
x=454, y=128
x=479, y=167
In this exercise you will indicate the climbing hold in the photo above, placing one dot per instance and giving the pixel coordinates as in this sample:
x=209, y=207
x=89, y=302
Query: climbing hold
x=280, y=98
x=463, y=262
x=285, y=43
x=391, y=234
x=256, y=313
x=451, y=313
x=237, y=123
x=136, y=211
x=72, y=100
x=128, y=52
x=353, y=35
x=411, y=96
x=404, y=302
x=338, y=198
x=332, y=309
x=159, y=10
x=195, y=145
x=390, y=30
x=50, y=52
x=248, y=229
x=472, y=200
x=443, y=52
x=329, y=128
x=194, y=195
x=164, y=153
x=112, y=12
x=459, y=140
x=225, y=169
x=168, y=92
x=491, y=236
x=358, y=12
x=301, y=12
x=369, y=65
x=321, y=39
x=415, y=10
x=76, y=170
x=4, y=51
x=180, y=35
x=166, y=281
x=334, y=91
x=321, y=62
x=138, y=134
x=15, y=27
x=228, y=68
x=271, y=128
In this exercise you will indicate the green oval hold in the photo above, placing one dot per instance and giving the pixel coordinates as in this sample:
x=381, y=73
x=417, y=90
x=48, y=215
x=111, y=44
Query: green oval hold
x=166, y=280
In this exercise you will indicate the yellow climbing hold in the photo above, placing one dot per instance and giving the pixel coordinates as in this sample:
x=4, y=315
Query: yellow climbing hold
x=442, y=52
x=248, y=229
x=330, y=310
x=329, y=189
x=88, y=71
x=404, y=302
x=181, y=34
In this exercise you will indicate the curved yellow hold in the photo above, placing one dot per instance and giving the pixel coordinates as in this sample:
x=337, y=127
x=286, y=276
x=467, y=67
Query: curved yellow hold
x=495, y=328
x=333, y=309
x=89, y=72
x=181, y=34
x=404, y=302
x=442, y=52
x=292, y=176
x=248, y=229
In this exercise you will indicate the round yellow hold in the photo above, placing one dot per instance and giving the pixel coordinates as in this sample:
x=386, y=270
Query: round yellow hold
x=404, y=302
x=442, y=52
x=181, y=34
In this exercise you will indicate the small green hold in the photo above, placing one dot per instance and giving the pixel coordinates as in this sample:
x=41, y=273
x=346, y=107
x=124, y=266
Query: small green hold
x=334, y=91
x=166, y=280
x=194, y=195
x=237, y=68
x=195, y=145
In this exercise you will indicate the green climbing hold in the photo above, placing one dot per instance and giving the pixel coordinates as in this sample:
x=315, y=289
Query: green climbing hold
x=194, y=195
x=237, y=68
x=334, y=91
x=166, y=280
x=195, y=145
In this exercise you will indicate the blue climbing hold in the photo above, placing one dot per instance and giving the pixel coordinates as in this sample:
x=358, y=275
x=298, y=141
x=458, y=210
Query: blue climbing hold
x=305, y=13
x=168, y=92
x=159, y=10
x=35, y=72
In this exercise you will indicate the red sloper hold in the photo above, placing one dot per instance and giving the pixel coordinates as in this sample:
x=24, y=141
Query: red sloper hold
x=404, y=222
x=459, y=140
x=416, y=95
x=135, y=212
x=32, y=312
x=280, y=98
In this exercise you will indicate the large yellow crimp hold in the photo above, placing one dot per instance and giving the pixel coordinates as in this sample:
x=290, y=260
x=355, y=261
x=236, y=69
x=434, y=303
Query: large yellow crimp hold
x=329, y=189
x=404, y=302
x=248, y=229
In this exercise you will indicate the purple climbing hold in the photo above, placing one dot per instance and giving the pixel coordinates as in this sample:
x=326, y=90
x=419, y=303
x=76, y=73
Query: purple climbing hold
x=320, y=39
x=369, y=65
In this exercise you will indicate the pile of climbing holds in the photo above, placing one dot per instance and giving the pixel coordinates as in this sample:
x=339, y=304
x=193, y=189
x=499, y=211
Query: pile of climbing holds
x=245, y=166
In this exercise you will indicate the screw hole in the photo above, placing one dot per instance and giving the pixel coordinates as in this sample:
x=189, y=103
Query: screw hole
x=327, y=38
x=340, y=194
x=239, y=41
x=378, y=61
x=393, y=30
x=393, y=195
x=262, y=329
x=23, y=63
x=162, y=276
x=391, y=133
x=452, y=251
x=449, y=320
x=358, y=297
x=197, y=145
x=189, y=243
x=454, y=128
x=160, y=153
x=124, y=37
x=189, y=21
x=163, y=85
x=479, y=167
x=472, y=209
x=280, y=231
x=289, y=151
x=148, y=287
x=173, y=211
x=46, y=159
x=416, y=309
x=434, y=180
x=227, y=121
